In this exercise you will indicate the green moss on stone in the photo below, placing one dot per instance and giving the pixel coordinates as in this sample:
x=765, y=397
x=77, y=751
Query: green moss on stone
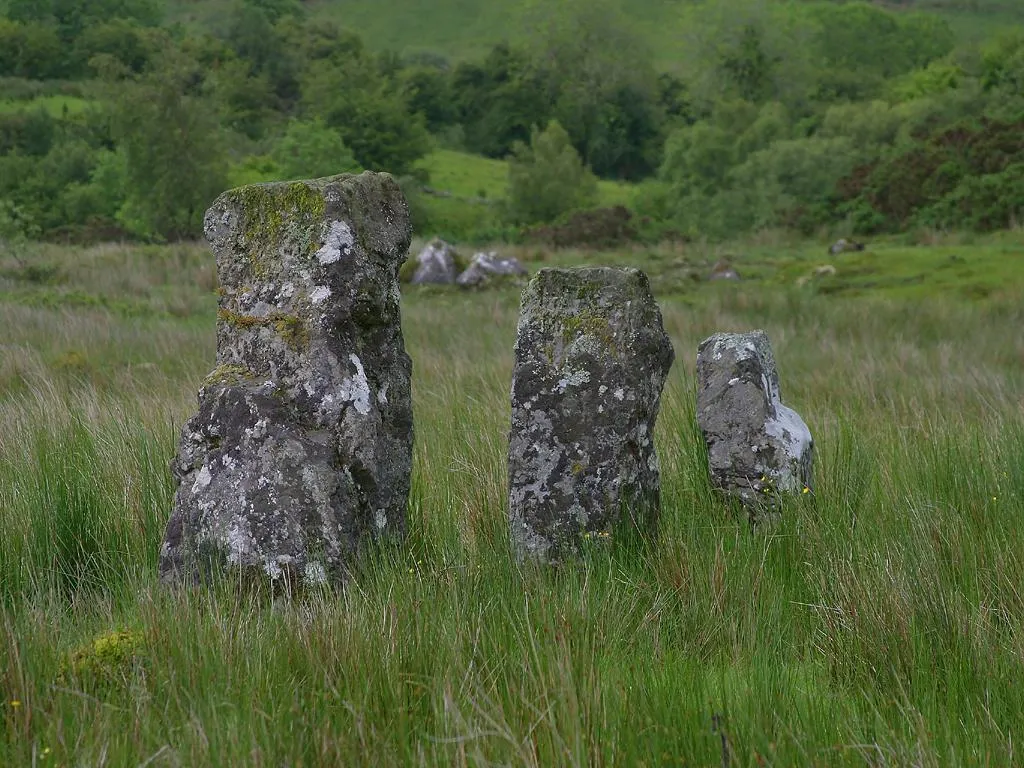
x=274, y=213
x=290, y=328
x=588, y=323
x=227, y=375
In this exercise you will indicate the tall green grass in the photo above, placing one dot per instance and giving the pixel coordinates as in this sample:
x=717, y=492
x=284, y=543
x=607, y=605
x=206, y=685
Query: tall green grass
x=879, y=621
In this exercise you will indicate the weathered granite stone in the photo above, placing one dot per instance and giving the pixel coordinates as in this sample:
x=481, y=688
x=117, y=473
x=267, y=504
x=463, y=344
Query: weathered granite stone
x=488, y=266
x=302, y=444
x=757, y=447
x=591, y=359
x=436, y=264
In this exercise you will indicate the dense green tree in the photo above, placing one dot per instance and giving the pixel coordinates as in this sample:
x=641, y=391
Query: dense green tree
x=373, y=120
x=427, y=92
x=861, y=44
x=277, y=9
x=310, y=150
x=125, y=40
x=755, y=50
x=499, y=99
x=30, y=49
x=1003, y=63
x=169, y=132
x=547, y=178
x=73, y=16
x=30, y=132
x=603, y=86
x=247, y=99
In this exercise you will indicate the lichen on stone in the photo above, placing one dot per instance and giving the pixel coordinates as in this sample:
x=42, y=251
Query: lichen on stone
x=274, y=212
x=591, y=360
x=303, y=436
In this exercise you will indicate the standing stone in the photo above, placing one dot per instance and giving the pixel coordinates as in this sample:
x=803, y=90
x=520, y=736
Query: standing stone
x=436, y=264
x=591, y=359
x=302, y=443
x=757, y=447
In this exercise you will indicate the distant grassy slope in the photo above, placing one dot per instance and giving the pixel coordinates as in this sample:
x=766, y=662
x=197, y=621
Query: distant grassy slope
x=463, y=192
x=55, y=105
x=471, y=176
x=468, y=28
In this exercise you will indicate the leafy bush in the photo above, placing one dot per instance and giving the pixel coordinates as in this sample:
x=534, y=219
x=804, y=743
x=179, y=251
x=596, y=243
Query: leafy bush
x=944, y=180
x=547, y=178
x=310, y=150
x=598, y=228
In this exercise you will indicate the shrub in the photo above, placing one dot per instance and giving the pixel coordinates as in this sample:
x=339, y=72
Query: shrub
x=547, y=178
x=597, y=228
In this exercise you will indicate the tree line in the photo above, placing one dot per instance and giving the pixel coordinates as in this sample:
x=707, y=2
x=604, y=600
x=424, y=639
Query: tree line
x=773, y=114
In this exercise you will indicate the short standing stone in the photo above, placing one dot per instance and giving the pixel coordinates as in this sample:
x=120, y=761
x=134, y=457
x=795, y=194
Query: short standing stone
x=591, y=360
x=435, y=264
x=757, y=446
x=302, y=443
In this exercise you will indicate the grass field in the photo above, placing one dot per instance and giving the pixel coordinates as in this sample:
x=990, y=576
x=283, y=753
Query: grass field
x=465, y=191
x=468, y=28
x=881, y=622
x=55, y=105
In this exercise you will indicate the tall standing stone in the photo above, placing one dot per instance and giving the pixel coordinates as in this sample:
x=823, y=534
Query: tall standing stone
x=302, y=444
x=591, y=360
x=757, y=447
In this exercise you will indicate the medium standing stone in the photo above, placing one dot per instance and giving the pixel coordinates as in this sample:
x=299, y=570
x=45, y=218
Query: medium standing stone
x=591, y=360
x=302, y=444
x=756, y=445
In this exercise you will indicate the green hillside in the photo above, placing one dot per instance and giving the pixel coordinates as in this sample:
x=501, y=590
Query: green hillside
x=468, y=28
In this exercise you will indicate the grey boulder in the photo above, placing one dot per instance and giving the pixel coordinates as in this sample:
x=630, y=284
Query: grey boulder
x=436, y=264
x=487, y=266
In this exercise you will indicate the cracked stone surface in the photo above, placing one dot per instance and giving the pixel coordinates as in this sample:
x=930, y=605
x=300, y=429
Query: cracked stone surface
x=757, y=447
x=301, y=447
x=591, y=359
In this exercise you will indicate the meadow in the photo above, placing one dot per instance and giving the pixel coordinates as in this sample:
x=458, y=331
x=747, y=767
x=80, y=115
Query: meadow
x=879, y=622
x=462, y=29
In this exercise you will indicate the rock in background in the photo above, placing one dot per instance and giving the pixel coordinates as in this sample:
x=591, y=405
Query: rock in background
x=591, y=360
x=486, y=267
x=435, y=265
x=757, y=447
x=302, y=444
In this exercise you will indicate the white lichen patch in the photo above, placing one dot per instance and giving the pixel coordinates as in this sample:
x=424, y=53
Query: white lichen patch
x=320, y=294
x=619, y=393
x=572, y=380
x=338, y=241
x=240, y=544
x=380, y=518
x=356, y=389
x=203, y=479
